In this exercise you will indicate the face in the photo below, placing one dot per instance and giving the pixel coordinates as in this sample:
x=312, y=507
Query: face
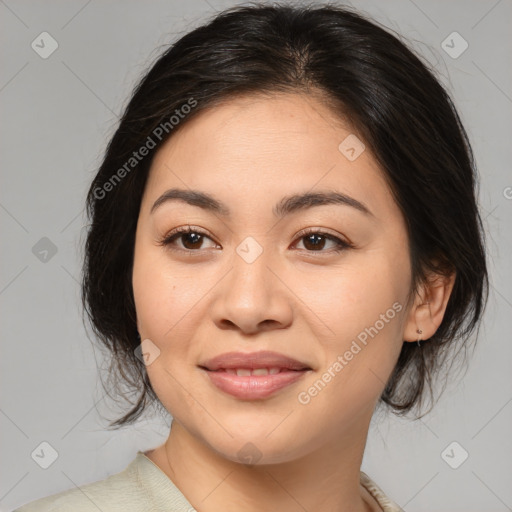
x=323, y=281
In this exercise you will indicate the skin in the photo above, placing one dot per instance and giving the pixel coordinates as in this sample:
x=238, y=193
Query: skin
x=308, y=304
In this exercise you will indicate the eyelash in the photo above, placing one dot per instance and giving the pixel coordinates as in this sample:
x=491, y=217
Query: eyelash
x=168, y=239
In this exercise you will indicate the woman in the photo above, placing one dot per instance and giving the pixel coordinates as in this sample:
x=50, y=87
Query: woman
x=284, y=235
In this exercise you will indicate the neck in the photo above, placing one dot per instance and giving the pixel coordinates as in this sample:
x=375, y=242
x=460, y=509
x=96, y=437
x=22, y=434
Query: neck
x=326, y=479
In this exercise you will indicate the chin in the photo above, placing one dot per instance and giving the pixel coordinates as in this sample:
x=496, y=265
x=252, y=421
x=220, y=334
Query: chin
x=256, y=450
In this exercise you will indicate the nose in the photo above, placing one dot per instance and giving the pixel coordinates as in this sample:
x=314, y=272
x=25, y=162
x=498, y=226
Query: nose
x=252, y=297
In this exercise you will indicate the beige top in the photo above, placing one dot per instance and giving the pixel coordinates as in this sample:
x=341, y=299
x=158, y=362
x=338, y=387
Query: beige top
x=144, y=487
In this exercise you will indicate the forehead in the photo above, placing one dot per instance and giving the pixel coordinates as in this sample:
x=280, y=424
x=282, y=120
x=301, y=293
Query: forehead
x=262, y=147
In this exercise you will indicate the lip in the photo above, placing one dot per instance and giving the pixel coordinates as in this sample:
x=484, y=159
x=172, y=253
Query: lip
x=251, y=360
x=253, y=387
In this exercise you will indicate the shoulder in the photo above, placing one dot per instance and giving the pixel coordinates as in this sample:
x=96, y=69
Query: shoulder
x=386, y=504
x=121, y=492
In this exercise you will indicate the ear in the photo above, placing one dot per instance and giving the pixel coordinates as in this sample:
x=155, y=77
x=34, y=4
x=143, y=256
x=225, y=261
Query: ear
x=428, y=308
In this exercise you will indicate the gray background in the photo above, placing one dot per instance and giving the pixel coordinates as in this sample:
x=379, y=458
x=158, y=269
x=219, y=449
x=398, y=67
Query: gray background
x=57, y=115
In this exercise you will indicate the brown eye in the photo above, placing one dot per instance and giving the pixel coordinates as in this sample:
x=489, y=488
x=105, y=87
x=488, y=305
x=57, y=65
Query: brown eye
x=191, y=239
x=317, y=241
x=314, y=241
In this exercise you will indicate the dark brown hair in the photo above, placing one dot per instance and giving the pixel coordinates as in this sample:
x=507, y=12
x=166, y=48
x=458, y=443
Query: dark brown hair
x=366, y=75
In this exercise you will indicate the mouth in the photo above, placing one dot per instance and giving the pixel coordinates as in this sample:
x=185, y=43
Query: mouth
x=253, y=376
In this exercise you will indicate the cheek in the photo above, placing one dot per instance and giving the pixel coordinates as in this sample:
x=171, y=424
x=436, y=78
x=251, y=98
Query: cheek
x=354, y=298
x=364, y=311
x=164, y=301
x=153, y=295
x=363, y=307
x=163, y=294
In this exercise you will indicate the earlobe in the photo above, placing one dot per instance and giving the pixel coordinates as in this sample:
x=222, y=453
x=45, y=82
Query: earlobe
x=428, y=309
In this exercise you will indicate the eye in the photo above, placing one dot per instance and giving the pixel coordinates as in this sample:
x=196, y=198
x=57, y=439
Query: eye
x=191, y=238
x=315, y=240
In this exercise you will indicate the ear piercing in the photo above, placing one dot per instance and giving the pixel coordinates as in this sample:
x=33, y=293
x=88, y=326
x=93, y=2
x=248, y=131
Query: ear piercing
x=419, y=331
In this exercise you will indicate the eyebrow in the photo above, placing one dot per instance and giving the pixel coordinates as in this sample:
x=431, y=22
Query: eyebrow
x=287, y=205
